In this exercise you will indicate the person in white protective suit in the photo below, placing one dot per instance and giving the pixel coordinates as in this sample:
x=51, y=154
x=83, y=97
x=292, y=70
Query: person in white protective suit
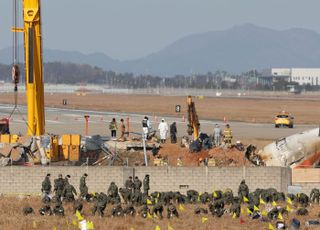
x=163, y=128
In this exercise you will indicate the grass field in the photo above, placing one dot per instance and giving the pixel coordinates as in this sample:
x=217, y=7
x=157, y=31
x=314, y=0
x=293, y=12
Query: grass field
x=12, y=218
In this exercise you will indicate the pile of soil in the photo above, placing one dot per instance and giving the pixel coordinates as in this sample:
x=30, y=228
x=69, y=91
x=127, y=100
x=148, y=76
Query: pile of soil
x=222, y=157
x=228, y=157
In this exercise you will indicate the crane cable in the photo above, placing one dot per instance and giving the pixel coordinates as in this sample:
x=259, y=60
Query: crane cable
x=15, y=73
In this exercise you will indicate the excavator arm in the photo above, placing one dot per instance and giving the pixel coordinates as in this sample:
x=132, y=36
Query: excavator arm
x=33, y=67
x=193, y=121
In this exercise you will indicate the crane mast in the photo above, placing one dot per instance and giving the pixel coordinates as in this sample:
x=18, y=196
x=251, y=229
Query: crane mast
x=33, y=67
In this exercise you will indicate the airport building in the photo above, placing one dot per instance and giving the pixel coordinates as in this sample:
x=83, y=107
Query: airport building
x=303, y=76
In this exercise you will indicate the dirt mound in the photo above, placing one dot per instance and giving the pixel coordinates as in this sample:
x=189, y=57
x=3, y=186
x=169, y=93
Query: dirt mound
x=228, y=157
x=222, y=157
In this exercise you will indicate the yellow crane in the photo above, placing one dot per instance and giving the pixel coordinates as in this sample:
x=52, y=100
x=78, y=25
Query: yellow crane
x=33, y=66
x=69, y=148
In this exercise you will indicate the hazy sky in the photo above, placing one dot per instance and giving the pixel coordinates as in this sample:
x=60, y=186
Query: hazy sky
x=127, y=29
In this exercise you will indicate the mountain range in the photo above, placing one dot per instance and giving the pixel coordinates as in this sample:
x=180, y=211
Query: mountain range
x=238, y=49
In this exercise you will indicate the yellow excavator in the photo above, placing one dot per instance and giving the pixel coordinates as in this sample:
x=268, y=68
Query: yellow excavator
x=193, y=121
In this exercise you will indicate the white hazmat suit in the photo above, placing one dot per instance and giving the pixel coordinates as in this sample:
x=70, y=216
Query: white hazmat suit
x=163, y=128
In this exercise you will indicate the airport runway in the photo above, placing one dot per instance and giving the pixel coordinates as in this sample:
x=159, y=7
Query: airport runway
x=60, y=121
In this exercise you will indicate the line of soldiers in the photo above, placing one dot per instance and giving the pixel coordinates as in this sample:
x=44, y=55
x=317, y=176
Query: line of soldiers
x=137, y=200
x=63, y=190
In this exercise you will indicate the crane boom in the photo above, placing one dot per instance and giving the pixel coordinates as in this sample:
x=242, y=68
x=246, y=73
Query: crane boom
x=33, y=67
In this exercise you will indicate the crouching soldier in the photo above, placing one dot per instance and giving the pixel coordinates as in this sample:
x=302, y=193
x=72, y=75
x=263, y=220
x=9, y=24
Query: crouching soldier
x=129, y=210
x=217, y=208
x=157, y=210
x=198, y=210
x=144, y=211
x=192, y=196
x=57, y=210
x=303, y=199
x=27, y=210
x=77, y=206
x=45, y=210
x=126, y=195
x=117, y=211
x=302, y=212
x=172, y=211
x=236, y=207
x=100, y=205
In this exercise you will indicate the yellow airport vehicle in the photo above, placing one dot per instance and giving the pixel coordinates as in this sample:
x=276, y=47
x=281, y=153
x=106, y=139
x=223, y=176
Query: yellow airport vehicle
x=283, y=119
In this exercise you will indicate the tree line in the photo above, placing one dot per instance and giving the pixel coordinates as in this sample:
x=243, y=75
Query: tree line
x=71, y=73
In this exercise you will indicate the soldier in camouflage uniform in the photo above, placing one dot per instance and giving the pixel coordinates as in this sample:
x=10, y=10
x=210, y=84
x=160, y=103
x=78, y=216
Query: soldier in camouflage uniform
x=46, y=185
x=68, y=192
x=172, y=211
x=117, y=211
x=83, y=187
x=157, y=210
x=192, y=196
x=137, y=198
x=314, y=195
x=58, y=186
x=58, y=209
x=254, y=199
x=243, y=190
x=144, y=211
x=28, y=210
x=137, y=184
x=77, y=206
x=206, y=197
x=101, y=204
x=274, y=213
x=113, y=193
x=129, y=210
x=236, y=206
x=302, y=212
x=217, y=208
x=45, y=210
x=113, y=190
x=129, y=184
x=303, y=199
x=146, y=185
x=198, y=210
x=126, y=195
x=228, y=196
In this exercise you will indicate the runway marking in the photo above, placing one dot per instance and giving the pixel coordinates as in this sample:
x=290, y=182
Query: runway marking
x=55, y=122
